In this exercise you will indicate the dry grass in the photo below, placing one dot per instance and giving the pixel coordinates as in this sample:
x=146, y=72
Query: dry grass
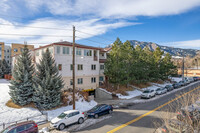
x=142, y=85
x=13, y=105
x=122, y=90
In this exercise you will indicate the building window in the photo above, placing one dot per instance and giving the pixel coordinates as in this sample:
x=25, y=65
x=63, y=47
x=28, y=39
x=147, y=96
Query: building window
x=80, y=67
x=101, y=78
x=7, y=56
x=71, y=67
x=65, y=50
x=87, y=52
x=58, y=49
x=8, y=51
x=15, y=50
x=21, y=49
x=0, y=48
x=93, y=67
x=59, y=67
x=80, y=80
x=78, y=51
x=51, y=50
x=93, y=80
x=37, y=53
x=102, y=54
x=8, y=61
x=102, y=67
x=71, y=81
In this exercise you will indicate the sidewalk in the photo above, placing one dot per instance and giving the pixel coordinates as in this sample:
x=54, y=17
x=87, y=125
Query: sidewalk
x=118, y=103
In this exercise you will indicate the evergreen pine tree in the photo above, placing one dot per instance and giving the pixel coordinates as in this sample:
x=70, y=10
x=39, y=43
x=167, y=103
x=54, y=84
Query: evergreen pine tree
x=47, y=83
x=21, y=88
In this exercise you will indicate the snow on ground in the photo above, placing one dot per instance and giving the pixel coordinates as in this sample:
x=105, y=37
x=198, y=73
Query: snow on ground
x=131, y=94
x=80, y=105
x=8, y=114
x=135, y=93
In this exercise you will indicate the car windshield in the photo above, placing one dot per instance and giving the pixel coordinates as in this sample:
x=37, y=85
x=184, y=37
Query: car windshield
x=146, y=91
x=167, y=86
x=5, y=131
x=96, y=107
x=158, y=89
x=62, y=115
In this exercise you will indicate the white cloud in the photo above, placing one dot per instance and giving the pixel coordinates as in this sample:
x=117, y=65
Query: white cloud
x=116, y=8
x=189, y=44
x=94, y=26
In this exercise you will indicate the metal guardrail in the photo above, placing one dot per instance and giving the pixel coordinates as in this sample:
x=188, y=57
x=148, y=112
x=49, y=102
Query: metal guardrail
x=39, y=119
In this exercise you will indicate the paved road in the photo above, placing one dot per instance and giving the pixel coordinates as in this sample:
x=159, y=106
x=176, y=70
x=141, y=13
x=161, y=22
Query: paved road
x=143, y=125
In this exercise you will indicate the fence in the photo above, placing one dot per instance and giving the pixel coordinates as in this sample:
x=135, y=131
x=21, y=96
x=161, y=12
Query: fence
x=39, y=119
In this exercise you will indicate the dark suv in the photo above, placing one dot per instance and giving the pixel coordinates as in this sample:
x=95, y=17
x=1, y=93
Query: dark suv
x=23, y=127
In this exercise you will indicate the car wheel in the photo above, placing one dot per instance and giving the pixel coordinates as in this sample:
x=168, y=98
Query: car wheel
x=61, y=126
x=109, y=111
x=80, y=120
x=96, y=116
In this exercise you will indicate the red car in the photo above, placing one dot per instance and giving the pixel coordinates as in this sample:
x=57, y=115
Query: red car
x=23, y=127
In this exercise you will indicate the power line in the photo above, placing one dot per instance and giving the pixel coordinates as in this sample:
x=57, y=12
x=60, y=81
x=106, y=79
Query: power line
x=94, y=35
x=92, y=41
x=35, y=27
x=2, y=34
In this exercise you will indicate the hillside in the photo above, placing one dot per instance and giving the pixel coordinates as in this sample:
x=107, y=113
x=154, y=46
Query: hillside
x=173, y=51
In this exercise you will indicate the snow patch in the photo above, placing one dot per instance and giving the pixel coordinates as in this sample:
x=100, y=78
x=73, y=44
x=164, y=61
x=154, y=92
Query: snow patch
x=105, y=91
x=131, y=94
x=8, y=114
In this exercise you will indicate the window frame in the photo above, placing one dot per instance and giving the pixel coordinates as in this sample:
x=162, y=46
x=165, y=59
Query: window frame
x=93, y=67
x=65, y=50
x=80, y=80
x=60, y=67
x=102, y=67
x=93, y=79
x=80, y=67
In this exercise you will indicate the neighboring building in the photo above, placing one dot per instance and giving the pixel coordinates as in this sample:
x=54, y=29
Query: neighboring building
x=89, y=63
x=190, y=72
x=5, y=53
x=17, y=48
x=1, y=50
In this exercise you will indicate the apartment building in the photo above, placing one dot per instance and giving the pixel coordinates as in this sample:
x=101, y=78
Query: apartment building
x=17, y=48
x=89, y=63
x=5, y=52
x=88, y=69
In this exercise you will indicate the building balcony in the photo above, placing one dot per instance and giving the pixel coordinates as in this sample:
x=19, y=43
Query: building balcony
x=95, y=58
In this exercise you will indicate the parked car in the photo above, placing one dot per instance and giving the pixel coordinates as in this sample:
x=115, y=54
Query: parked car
x=99, y=110
x=23, y=127
x=182, y=83
x=169, y=87
x=67, y=118
x=160, y=91
x=190, y=79
x=148, y=94
x=174, y=126
x=176, y=85
x=187, y=82
x=196, y=78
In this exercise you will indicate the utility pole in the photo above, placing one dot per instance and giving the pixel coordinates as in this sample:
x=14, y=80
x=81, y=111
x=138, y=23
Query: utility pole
x=183, y=70
x=73, y=63
x=197, y=63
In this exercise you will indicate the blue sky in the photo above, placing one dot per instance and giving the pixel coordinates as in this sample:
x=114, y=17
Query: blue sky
x=169, y=22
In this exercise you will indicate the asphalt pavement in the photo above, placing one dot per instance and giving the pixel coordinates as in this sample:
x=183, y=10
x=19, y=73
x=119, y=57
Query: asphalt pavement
x=138, y=118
